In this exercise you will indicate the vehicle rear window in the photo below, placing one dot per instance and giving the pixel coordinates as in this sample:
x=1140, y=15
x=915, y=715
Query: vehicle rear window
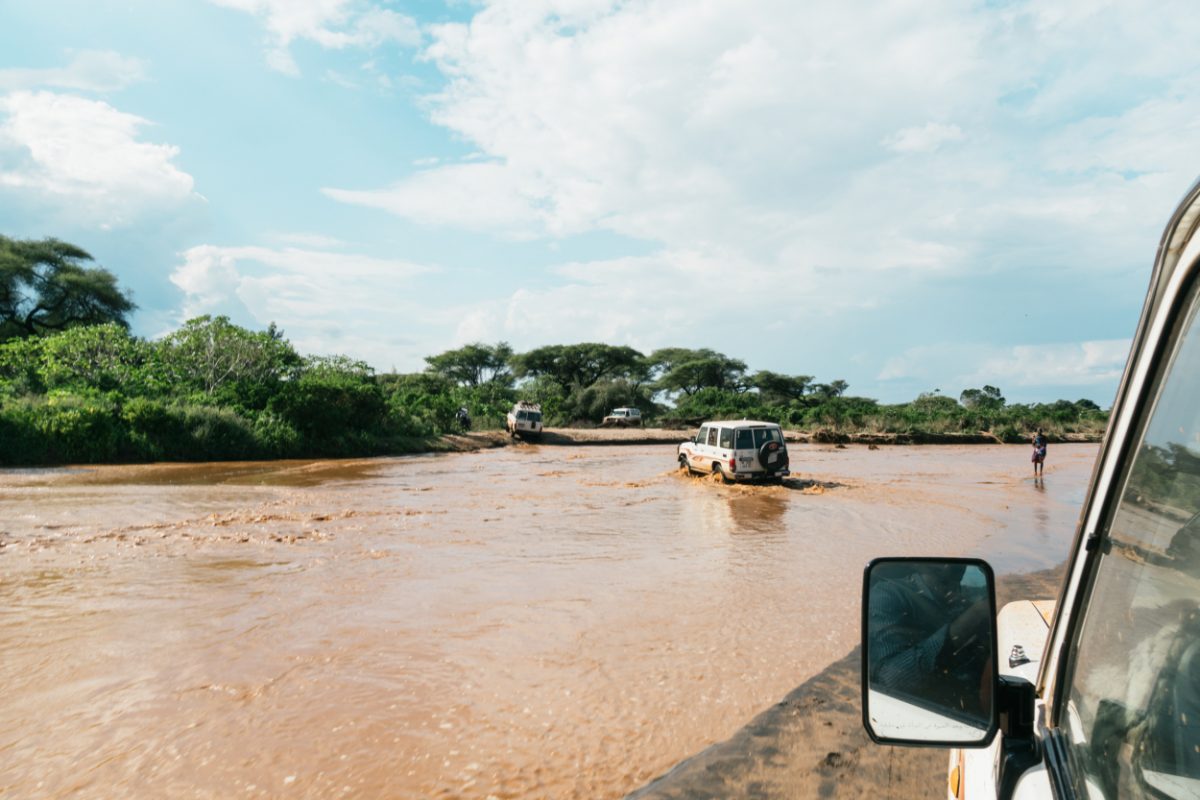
x=727, y=438
x=745, y=439
x=764, y=435
x=522, y=415
x=535, y=416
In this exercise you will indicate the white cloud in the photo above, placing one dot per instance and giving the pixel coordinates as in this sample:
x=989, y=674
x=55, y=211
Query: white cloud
x=1076, y=364
x=1082, y=364
x=333, y=24
x=474, y=196
x=326, y=301
x=758, y=128
x=925, y=139
x=845, y=157
x=89, y=71
x=84, y=157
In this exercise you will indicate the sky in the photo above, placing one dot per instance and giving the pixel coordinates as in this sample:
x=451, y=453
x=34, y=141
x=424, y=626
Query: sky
x=910, y=196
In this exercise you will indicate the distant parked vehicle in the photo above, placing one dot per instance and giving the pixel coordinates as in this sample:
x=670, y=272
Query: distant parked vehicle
x=744, y=450
x=623, y=417
x=525, y=421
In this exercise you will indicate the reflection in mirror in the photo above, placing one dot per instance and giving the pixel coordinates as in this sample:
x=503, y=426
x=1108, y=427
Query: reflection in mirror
x=930, y=629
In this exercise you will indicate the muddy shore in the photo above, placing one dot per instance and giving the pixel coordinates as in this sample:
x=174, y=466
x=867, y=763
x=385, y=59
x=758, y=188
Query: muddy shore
x=812, y=743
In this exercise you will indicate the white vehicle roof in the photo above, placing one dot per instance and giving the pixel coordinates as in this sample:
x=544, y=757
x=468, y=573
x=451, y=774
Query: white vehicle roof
x=624, y=408
x=742, y=423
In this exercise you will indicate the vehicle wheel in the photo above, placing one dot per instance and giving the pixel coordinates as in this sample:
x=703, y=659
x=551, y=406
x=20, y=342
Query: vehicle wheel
x=764, y=453
x=719, y=471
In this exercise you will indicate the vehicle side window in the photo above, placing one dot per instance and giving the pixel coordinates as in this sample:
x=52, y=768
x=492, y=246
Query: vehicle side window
x=712, y=436
x=702, y=436
x=745, y=439
x=727, y=438
x=1133, y=688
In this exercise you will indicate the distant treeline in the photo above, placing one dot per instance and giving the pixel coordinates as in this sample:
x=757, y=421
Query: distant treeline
x=76, y=386
x=214, y=390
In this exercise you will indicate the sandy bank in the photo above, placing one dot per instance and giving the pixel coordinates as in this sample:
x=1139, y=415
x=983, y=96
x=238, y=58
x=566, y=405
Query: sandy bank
x=812, y=743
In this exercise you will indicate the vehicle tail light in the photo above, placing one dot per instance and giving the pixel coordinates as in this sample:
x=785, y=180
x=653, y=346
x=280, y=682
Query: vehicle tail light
x=732, y=464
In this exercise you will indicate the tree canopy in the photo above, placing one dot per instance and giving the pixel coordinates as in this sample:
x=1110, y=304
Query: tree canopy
x=688, y=371
x=45, y=287
x=987, y=397
x=581, y=365
x=475, y=364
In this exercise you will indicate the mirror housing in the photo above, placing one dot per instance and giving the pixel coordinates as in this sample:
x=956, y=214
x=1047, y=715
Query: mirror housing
x=929, y=662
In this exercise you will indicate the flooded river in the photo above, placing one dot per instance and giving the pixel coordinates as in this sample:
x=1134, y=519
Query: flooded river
x=532, y=622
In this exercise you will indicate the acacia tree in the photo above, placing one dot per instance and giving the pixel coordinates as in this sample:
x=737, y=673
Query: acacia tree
x=475, y=364
x=776, y=389
x=45, y=287
x=827, y=391
x=988, y=397
x=689, y=371
x=578, y=366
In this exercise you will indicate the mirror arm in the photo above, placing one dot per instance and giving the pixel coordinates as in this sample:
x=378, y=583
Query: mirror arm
x=1019, y=748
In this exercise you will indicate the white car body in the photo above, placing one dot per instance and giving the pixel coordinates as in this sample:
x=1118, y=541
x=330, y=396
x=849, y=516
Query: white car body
x=622, y=417
x=1101, y=697
x=735, y=450
x=524, y=420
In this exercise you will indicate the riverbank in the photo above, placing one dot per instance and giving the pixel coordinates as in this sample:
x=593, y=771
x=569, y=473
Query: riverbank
x=812, y=743
x=483, y=440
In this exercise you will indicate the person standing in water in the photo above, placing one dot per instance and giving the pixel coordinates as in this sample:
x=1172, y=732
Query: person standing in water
x=1039, y=453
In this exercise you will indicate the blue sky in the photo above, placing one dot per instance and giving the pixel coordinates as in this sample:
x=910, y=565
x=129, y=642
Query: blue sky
x=909, y=196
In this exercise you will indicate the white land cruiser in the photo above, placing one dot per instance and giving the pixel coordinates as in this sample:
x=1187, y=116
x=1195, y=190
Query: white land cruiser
x=622, y=417
x=525, y=420
x=737, y=451
x=1097, y=695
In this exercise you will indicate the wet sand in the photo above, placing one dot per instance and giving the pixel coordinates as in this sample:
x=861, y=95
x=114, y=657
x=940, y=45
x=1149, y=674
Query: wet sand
x=525, y=622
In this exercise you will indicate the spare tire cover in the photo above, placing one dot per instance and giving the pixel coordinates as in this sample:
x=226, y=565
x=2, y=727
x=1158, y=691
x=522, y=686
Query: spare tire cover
x=772, y=457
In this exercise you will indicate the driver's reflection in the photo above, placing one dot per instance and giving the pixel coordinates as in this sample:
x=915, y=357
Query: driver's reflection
x=929, y=638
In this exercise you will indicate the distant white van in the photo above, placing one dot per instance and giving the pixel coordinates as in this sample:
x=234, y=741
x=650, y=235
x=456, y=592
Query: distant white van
x=525, y=420
x=623, y=417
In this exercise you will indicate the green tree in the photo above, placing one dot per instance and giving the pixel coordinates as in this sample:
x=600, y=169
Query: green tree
x=103, y=357
x=45, y=287
x=580, y=365
x=827, y=391
x=688, y=371
x=987, y=398
x=776, y=389
x=209, y=354
x=474, y=364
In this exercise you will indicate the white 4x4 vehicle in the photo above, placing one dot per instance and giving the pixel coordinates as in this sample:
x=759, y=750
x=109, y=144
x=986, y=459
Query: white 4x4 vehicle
x=621, y=417
x=737, y=451
x=525, y=420
x=1099, y=695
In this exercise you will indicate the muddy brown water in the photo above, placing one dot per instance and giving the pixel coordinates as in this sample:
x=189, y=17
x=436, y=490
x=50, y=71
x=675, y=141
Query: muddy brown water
x=549, y=622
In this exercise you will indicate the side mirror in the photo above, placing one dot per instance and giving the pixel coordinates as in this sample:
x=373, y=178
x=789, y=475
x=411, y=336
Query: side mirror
x=929, y=652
